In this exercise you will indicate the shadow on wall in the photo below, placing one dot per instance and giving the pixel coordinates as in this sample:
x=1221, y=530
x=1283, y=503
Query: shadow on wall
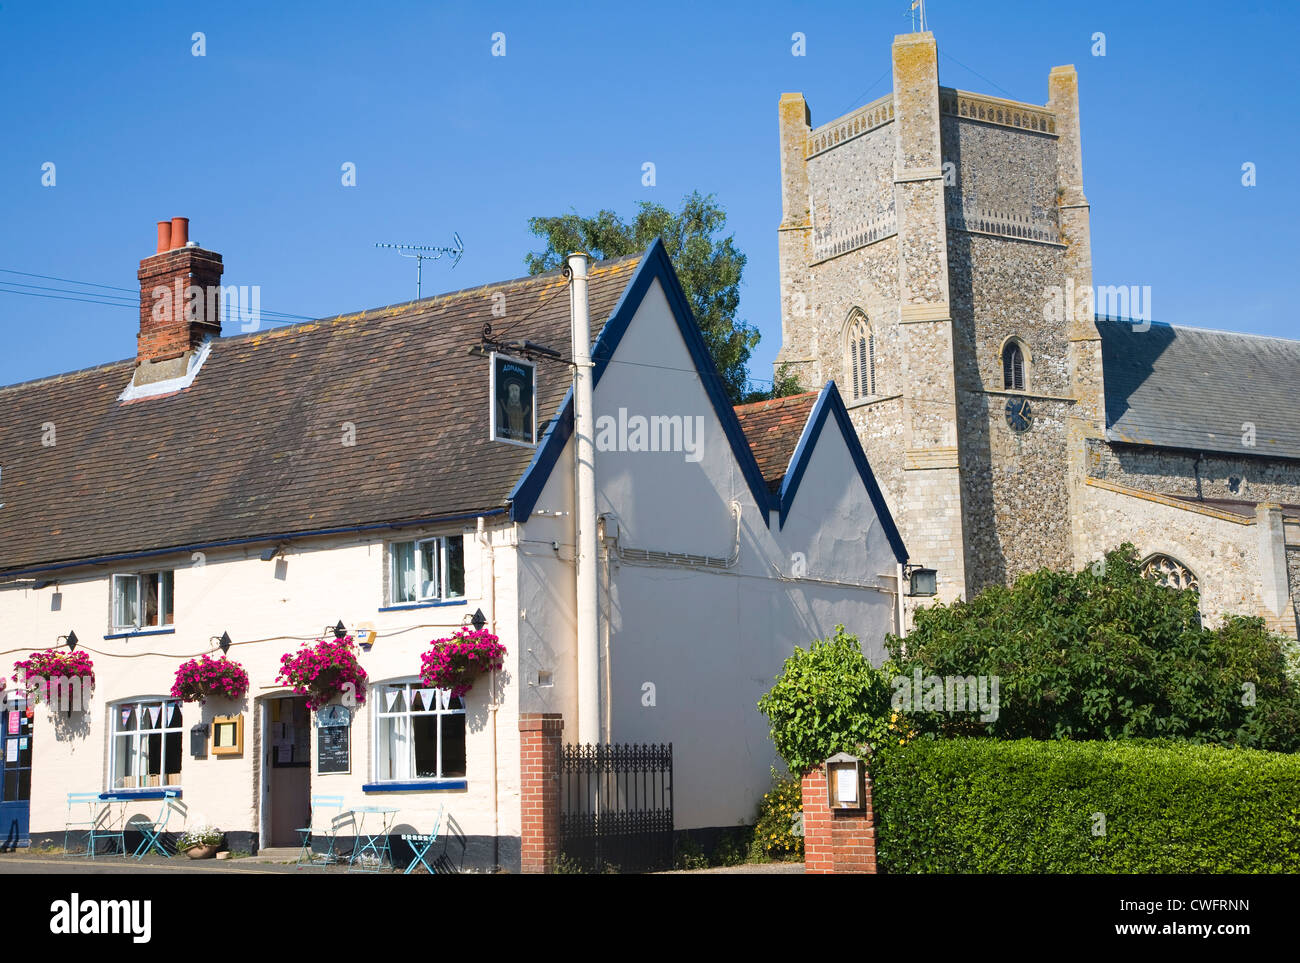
x=1128, y=356
x=984, y=559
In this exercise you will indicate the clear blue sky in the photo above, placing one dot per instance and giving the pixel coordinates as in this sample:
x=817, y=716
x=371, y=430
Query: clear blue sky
x=248, y=140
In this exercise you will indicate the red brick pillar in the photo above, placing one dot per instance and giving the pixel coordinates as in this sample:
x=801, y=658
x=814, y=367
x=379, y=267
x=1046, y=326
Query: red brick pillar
x=540, y=739
x=836, y=841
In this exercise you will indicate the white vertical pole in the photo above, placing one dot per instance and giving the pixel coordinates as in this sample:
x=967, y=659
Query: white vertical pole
x=584, y=515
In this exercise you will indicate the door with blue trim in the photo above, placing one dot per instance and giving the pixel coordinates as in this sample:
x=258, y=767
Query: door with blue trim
x=15, y=772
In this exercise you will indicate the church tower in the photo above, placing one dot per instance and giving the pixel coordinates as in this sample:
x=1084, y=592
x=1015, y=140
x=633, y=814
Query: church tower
x=935, y=262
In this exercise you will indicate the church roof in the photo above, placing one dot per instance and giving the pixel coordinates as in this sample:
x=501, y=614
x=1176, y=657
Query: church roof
x=258, y=445
x=1191, y=388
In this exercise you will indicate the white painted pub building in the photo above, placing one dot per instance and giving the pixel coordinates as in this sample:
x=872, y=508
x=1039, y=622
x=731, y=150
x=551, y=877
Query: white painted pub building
x=386, y=471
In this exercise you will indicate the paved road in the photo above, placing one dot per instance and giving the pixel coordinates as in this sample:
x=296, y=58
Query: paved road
x=11, y=864
x=21, y=863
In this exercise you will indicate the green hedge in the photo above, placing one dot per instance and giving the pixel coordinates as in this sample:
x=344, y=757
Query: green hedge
x=1025, y=806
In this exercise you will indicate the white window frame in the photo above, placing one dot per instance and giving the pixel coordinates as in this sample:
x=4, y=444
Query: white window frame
x=442, y=709
x=116, y=735
x=444, y=588
x=165, y=594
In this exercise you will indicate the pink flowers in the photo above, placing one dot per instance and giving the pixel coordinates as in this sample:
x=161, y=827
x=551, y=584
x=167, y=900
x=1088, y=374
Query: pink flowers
x=323, y=670
x=456, y=662
x=38, y=671
x=199, y=679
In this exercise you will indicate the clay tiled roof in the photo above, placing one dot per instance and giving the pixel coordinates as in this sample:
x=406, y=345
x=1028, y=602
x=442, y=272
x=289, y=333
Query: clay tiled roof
x=256, y=445
x=773, y=429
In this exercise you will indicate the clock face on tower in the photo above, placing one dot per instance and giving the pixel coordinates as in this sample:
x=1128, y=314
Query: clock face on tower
x=1019, y=415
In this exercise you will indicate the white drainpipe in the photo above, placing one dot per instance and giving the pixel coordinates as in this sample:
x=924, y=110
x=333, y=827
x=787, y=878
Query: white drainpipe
x=489, y=594
x=902, y=625
x=584, y=515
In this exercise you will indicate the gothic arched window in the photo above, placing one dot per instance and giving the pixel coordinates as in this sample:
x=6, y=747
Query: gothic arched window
x=1167, y=570
x=860, y=345
x=1013, y=366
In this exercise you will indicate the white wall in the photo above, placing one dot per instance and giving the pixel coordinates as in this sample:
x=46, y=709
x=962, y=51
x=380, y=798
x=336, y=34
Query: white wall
x=711, y=642
x=234, y=591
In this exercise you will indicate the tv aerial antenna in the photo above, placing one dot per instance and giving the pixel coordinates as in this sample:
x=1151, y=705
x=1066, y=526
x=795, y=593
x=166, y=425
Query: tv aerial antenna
x=422, y=253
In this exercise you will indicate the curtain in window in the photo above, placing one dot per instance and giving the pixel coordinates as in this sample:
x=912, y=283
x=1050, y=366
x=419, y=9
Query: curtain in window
x=405, y=575
x=126, y=600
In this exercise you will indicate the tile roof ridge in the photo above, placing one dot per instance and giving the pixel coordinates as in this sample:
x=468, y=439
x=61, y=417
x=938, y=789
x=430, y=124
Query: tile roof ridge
x=777, y=402
x=1200, y=330
x=32, y=382
x=399, y=307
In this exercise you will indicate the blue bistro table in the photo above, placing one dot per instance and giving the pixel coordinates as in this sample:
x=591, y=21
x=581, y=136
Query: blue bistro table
x=376, y=844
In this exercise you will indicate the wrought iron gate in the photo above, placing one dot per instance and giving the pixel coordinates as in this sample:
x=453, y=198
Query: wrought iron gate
x=616, y=807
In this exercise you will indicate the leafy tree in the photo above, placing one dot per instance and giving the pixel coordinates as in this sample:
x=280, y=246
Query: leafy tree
x=1105, y=653
x=827, y=699
x=708, y=266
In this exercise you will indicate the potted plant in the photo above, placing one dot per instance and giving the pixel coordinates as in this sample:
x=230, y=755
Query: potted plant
x=456, y=662
x=201, y=842
x=322, y=670
x=207, y=678
x=52, y=674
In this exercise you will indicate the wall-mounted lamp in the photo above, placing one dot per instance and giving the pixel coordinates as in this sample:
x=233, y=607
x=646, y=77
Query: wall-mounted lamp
x=224, y=642
x=478, y=620
x=921, y=581
x=269, y=553
x=71, y=639
x=339, y=630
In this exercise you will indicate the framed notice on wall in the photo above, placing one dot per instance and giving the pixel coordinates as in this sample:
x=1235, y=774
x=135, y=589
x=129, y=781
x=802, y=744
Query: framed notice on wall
x=333, y=728
x=513, y=414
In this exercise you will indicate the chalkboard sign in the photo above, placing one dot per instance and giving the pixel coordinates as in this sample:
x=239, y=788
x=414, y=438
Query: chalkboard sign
x=332, y=745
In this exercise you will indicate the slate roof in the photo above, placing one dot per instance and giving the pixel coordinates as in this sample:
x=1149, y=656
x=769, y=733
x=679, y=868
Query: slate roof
x=1190, y=388
x=773, y=429
x=254, y=447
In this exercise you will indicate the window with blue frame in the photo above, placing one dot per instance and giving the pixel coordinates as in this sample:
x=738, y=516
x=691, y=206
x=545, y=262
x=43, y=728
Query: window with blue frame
x=147, y=744
x=419, y=732
x=427, y=570
x=143, y=601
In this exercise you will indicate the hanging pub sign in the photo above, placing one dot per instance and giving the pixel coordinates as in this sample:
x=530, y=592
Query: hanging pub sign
x=333, y=725
x=514, y=400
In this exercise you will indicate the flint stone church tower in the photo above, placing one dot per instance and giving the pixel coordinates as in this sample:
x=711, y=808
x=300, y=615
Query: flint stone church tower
x=936, y=264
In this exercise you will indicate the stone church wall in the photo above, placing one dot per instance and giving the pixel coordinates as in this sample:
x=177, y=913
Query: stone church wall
x=1224, y=555
x=1175, y=473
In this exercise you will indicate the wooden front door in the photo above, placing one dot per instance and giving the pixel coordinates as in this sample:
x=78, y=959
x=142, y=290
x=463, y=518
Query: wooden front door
x=287, y=764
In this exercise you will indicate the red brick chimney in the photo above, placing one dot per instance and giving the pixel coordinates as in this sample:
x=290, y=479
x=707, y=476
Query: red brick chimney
x=180, y=301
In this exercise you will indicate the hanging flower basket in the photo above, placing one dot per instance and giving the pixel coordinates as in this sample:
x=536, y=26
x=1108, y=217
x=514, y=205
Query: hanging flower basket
x=323, y=670
x=199, y=680
x=455, y=663
x=53, y=675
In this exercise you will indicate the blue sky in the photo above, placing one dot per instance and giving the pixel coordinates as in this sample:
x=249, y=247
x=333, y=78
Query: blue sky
x=248, y=140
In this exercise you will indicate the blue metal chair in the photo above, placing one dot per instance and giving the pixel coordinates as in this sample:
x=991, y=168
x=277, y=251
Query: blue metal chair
x=420, y=845
x=152, y=830
x=74, y=823
x=321, y=804
x=103, y=828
